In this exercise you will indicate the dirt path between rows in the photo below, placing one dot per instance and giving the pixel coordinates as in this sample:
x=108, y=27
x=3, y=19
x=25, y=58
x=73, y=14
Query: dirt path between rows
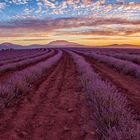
x=124, y=83
x=8, y=74
x=57, y=110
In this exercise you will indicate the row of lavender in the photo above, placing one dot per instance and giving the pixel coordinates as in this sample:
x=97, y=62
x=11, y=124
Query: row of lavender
x=22, y=57
x=130, y=51
x=21, y=82
x=11, y=54
x=123, y=66
x=23, y=63
x=130, y=57
x=113, y=120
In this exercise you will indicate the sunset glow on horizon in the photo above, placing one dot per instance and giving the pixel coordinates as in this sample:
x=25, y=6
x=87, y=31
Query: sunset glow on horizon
x=87, y=22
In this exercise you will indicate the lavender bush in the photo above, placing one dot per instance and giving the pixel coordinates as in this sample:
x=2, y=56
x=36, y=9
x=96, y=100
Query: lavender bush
x=123, y=66
x=112, y=117
x=130, y=57
x=13, y=54
x=22, y=57
x=16, y=65
x=22, y=81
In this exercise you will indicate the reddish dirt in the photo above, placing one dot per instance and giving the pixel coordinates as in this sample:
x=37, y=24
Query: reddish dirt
x=7, y=74
x=56, y=110
x=124, y=83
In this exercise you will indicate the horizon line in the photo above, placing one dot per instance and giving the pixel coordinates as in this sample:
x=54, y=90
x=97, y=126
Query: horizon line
x=86, y=45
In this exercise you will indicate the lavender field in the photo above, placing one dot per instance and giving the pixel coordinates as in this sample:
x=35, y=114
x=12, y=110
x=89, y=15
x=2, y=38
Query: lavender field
x=73, y=93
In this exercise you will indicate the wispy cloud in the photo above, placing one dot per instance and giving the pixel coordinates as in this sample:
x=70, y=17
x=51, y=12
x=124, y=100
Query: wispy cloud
x=19, y=2
x=2, y=5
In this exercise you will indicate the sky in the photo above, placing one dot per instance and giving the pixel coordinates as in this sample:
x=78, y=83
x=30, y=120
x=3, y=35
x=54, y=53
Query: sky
x=87, y=22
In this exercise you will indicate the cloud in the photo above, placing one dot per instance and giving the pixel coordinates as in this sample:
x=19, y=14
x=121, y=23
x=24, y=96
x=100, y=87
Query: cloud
x=40, y=6
x=85, y=26
x=2, y=5
x=49, y=4
x=66, y=22
x=28, y=11
x=19, y=2
x=80, y=8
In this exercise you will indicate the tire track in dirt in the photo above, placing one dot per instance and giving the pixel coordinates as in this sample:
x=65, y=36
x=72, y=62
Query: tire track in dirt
x=57, y=109
x=7, y=74
x=124, y=83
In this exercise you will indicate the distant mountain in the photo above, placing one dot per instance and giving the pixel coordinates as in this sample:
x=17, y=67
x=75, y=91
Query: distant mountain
x=53, y=44
x=63, y=43
x=122, y=46
x=10, y=46
x=60, y=43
